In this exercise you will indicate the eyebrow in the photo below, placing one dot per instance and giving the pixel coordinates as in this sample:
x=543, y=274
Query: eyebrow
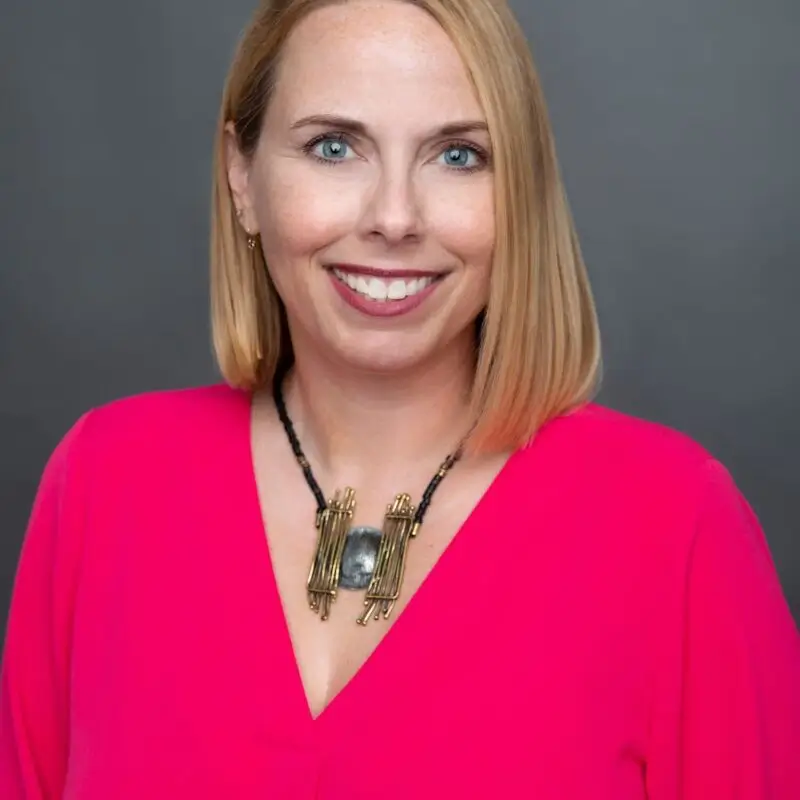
x=359, y=128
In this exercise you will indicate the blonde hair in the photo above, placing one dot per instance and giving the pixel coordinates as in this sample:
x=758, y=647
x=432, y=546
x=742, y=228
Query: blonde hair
x=539, y=342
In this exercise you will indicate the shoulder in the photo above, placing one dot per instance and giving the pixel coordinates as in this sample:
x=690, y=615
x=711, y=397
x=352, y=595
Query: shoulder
x=157, y=423
x=167, y=408
x=650, y=503
x=630, y=471
x=621, y=444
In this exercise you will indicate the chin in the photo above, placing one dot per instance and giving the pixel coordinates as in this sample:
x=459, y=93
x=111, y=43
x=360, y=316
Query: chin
x=386, y=356
x=402, y=351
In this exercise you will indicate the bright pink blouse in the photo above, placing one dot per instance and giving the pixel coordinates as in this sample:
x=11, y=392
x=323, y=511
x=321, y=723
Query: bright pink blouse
x=608, y=623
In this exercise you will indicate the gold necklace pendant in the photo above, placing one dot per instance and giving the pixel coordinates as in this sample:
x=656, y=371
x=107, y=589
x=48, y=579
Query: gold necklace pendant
x=333, y=526
x=384, y=588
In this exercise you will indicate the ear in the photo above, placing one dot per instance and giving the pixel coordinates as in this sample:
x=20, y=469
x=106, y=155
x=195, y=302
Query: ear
x=238, y=171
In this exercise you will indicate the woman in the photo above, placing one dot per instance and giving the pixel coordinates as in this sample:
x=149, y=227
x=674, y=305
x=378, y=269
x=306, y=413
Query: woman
x=271, y=588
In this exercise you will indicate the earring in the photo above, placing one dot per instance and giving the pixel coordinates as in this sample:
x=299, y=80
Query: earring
x=252, y=240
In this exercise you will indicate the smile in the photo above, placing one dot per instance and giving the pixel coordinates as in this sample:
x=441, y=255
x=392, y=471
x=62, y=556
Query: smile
x=377, y=292
x=382, y=289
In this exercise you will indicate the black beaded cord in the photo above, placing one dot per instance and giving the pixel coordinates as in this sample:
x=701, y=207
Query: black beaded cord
x=291, y=435
x=283, y=414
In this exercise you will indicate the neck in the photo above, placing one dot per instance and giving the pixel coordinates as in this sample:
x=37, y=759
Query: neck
x=354, y=422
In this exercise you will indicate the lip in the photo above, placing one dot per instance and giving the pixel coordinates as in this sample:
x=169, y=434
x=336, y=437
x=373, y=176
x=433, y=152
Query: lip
x=388, y=274
x=383, y=308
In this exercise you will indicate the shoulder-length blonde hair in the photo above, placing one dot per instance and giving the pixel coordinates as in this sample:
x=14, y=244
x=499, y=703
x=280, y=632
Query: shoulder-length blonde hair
x=539, y=344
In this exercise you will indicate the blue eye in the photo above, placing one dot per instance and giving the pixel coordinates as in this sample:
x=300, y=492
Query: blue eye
x=461, y=157
x=331, y=148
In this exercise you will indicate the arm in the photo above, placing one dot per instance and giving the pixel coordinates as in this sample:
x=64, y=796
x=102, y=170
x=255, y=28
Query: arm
x=34, y=681
x=737, y=704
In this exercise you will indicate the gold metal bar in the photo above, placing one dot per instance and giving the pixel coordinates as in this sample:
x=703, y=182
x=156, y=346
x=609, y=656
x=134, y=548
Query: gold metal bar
x=333, y=525
x=367, y=613
x=384, y=588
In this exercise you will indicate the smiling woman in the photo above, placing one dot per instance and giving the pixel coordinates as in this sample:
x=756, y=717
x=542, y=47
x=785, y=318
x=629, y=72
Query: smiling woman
x=395, y=162
x=399, y=552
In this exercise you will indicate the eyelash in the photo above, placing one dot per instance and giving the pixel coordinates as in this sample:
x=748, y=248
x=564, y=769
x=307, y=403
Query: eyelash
x=483, y=156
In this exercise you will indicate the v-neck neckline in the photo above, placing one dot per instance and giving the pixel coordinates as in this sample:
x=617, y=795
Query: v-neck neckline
x=404, y=620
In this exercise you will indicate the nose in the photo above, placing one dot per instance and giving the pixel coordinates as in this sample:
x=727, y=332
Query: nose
x=392, y=210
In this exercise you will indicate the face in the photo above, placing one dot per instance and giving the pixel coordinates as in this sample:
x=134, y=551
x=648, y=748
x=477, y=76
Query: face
x=372, y=189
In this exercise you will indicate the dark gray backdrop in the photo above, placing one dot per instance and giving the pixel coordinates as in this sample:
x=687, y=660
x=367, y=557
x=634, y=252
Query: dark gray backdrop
x=678, y=123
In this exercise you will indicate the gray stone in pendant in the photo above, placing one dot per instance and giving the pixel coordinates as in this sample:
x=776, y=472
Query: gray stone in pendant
x=359, y=556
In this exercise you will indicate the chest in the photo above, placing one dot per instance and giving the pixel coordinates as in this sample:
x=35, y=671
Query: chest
x=510, y=666
x=335, y=621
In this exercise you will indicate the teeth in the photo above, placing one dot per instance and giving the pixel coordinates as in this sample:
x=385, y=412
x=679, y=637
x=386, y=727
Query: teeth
x=381, y=290
x=378, y=289
x=397, y=290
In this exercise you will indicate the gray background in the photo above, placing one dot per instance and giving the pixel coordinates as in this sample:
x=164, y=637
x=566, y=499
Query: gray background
x=677, y=122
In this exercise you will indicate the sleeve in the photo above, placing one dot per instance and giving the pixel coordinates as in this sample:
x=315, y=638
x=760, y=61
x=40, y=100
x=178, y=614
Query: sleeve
x=735, y=717
x=34, y=683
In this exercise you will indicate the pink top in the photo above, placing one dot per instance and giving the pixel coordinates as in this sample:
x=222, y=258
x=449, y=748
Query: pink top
x=608, y=623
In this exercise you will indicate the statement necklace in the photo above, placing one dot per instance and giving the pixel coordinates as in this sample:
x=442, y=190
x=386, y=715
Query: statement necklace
x=358, y=557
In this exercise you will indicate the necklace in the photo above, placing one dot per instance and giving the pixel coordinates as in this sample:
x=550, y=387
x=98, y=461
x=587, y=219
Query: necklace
x=358, y=557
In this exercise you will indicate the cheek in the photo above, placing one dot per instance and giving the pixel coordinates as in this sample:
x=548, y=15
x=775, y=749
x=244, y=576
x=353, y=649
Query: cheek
x=298, y=214
x=462, y=219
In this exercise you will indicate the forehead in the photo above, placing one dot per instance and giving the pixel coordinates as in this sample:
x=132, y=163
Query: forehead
x=368, y=56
